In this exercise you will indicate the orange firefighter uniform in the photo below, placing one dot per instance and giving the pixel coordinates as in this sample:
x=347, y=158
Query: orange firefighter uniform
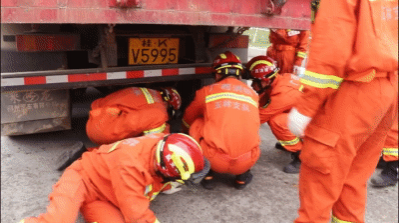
x=351, y=93
x=288, y=48
x=224, y=119
x=274, y=107
x=114, y=183
x=390, y=150
x=127, y=113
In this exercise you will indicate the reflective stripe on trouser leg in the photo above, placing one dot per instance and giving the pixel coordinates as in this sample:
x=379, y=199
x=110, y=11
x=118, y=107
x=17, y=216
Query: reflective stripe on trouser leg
x=279, y=127
x=336, y=220
x=390, y=150
x=155, y=130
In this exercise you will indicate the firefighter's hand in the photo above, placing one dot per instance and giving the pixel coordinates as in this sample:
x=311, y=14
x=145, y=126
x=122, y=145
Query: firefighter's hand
x=297, y=122
x=173, y=188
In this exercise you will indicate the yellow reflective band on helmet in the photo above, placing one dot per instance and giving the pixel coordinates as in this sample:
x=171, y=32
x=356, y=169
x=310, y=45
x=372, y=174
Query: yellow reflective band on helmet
x=114, y=146
x=273, y=75
x=219, y=96
x=155, y=130
x=238, y=66
x=223, y=56
x=301, y=54
x=147, y=95
x=290, y=143
x=177, y=156
x=185, y=123
x=390, y=151
x=321, y=80
x=336, y=220
x=260, y=62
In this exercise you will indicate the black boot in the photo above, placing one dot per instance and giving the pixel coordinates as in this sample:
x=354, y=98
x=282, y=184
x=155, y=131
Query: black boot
x=381, y=163
x=295, y=164
x=69, y=156
x=209, y=182
x=280, y=147
x=388, y=176
x=243, y=180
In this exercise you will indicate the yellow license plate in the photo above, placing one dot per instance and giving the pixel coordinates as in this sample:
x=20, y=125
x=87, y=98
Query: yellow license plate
x=153, y=50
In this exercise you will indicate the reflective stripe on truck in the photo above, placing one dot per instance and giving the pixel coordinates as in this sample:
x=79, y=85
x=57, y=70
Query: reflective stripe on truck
x=85, y=77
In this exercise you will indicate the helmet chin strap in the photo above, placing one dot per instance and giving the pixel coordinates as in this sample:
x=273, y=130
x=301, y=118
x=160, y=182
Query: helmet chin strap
x=263, y=89
x=230, y=73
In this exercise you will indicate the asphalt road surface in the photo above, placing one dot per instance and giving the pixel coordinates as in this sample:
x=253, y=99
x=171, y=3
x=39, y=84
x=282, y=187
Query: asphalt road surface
x=28, y=173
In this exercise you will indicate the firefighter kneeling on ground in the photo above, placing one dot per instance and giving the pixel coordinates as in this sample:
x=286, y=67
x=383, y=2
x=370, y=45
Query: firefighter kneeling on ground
x=116, y=182
x=278, y=93
x=224, y=119
x=130, y=112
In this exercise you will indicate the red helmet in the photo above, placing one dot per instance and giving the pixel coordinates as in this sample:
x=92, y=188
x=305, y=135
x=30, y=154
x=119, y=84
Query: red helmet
x=263, y=68
x=179, y=156
x=172, y=97
x=227, y=63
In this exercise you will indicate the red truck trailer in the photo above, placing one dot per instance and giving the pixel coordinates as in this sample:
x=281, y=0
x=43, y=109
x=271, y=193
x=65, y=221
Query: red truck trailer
x=52, y=49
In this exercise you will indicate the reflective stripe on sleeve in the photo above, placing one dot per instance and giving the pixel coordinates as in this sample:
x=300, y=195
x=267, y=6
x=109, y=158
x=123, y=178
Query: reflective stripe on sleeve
x=219, y=96
x=155, y=130
x=390, y=151
x=114, y=146
x=301, y=54
x=156, y=221
x=321, y=80
x=336, y=220
x=147, y=95
x=290, y=143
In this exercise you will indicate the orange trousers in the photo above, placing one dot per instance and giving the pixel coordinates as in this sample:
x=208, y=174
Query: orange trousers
x=111, y=124
x=279, y=126
x=73, y=193
x=341, y=149
x=285, y=58
x=222, y=162
x=390, y=150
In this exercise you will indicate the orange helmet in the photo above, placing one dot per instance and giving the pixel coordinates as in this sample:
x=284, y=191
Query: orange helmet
x=227, y=64
x=263, y=68
x=172, y=97
x=179, y=156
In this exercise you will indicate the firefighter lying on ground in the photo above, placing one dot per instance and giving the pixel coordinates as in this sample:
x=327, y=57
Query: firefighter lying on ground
x=116, y=182
x=288, y=47
x=348, y=105
x=130, y=112
x=278, y=93
x=224, y=119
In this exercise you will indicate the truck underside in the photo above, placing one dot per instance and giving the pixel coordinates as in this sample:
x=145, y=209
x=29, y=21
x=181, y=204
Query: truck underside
x=51, y=51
